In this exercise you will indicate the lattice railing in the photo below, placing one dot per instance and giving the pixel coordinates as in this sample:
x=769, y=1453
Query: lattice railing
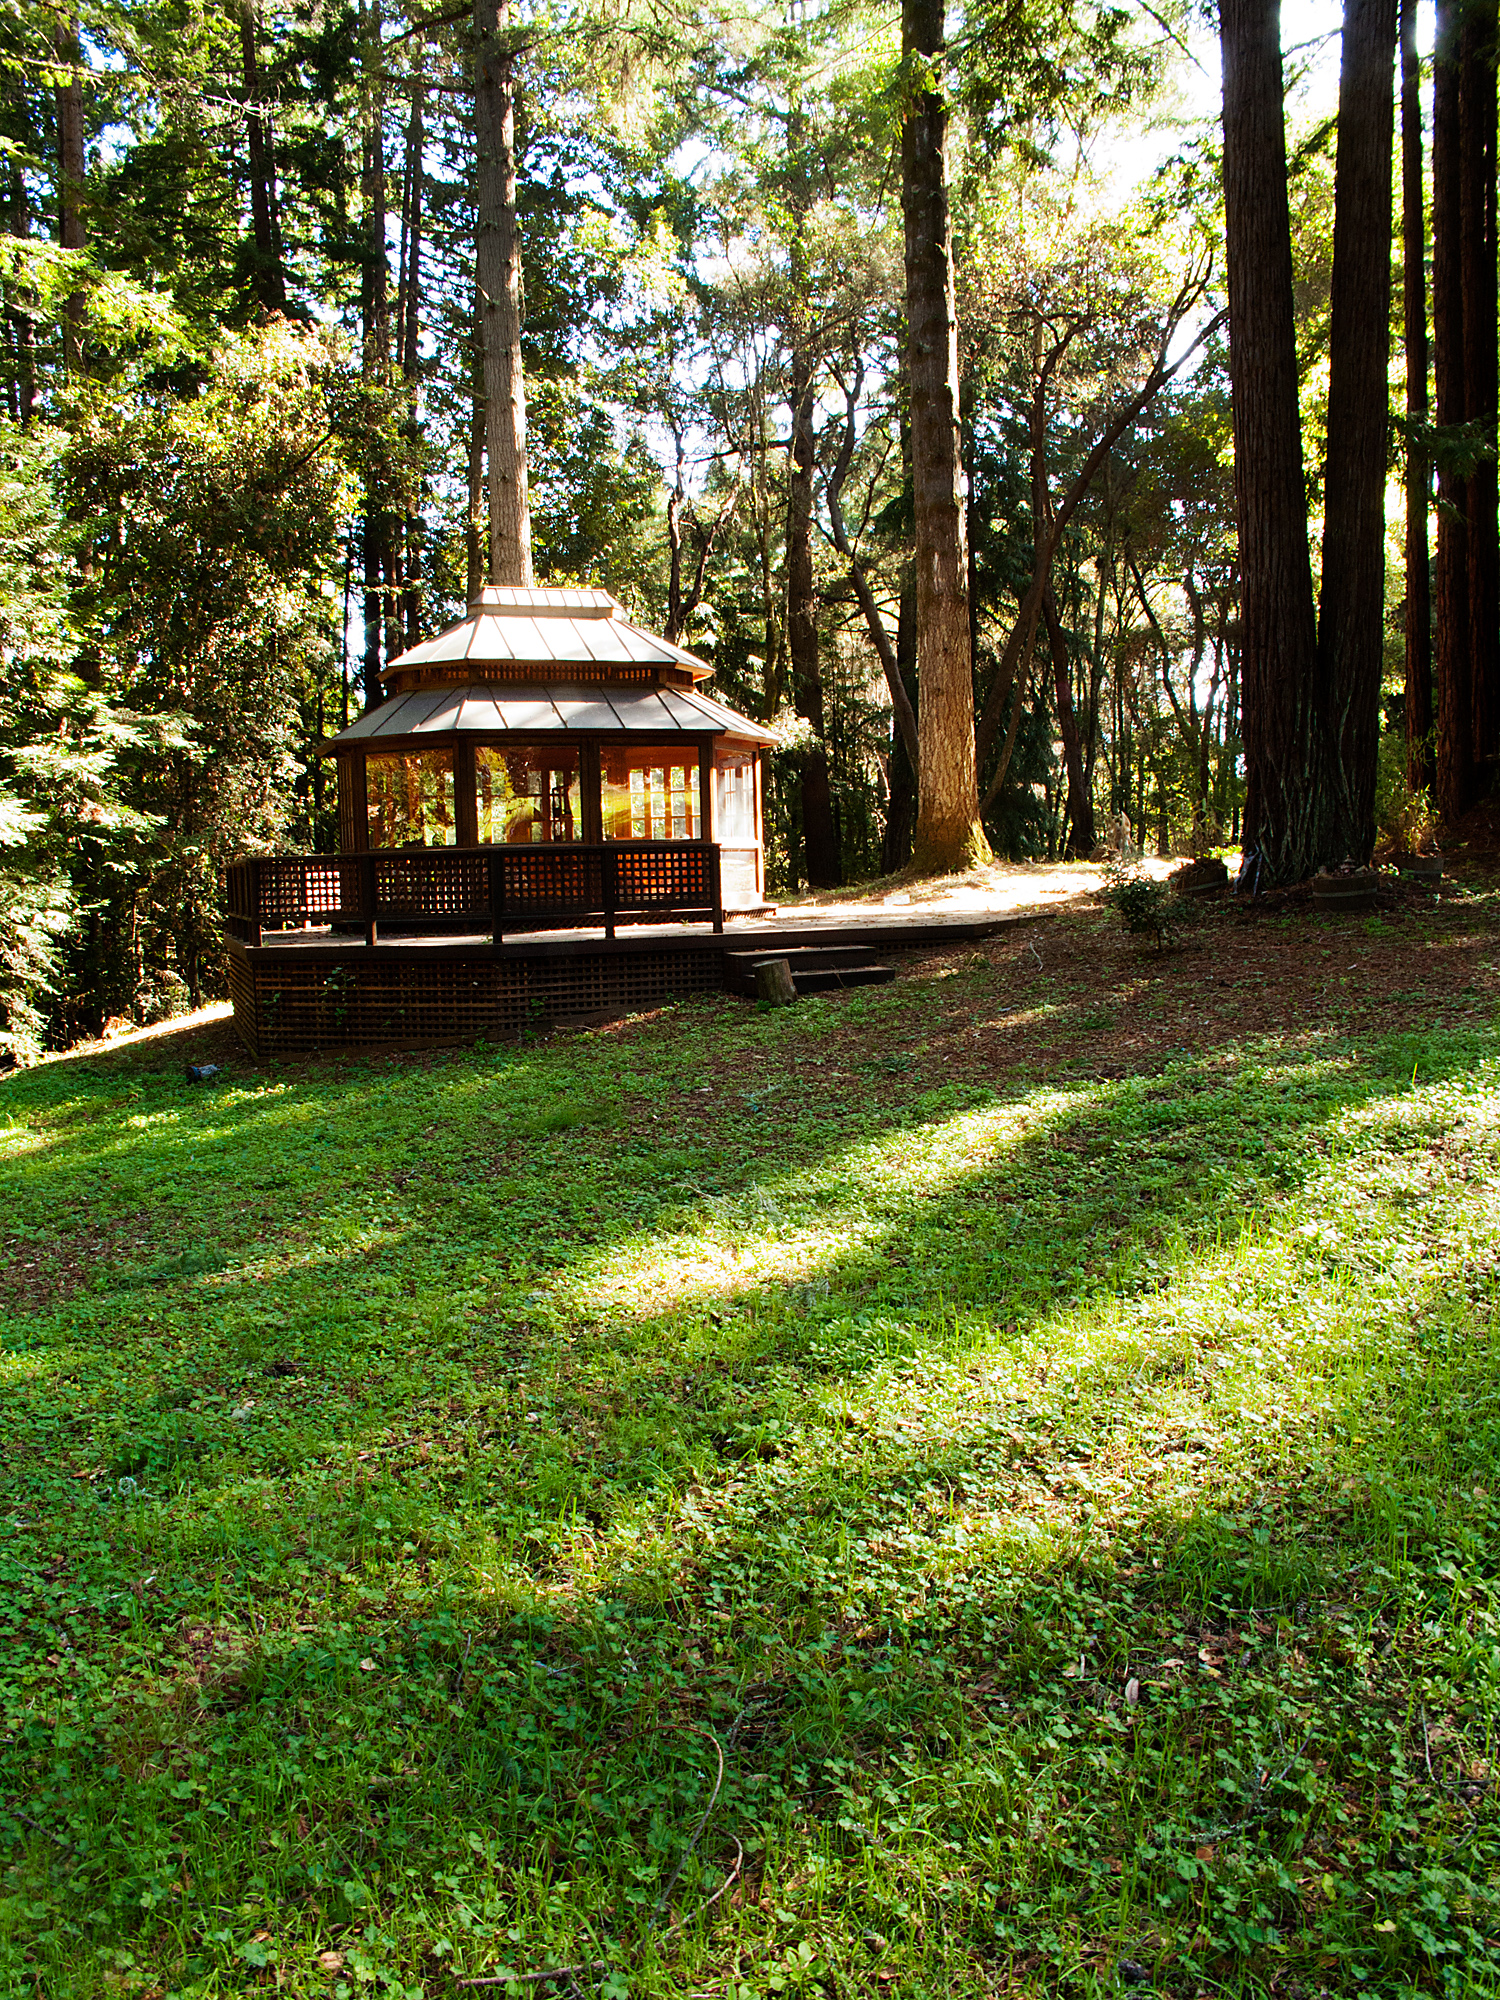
x=468, y=889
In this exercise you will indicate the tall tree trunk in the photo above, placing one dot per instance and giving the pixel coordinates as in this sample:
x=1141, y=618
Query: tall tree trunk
x=895, y=848
x=1352, y=619
x=268, y=280
x=71, y=233
x=1278, y=621
x=23, y=330
x=1418, y=464
x=476, y=538
x=375, y=302
x=1477, y=255
x=1454, y=762
x=409, y=335
x=949, y=835
x=1080, y=808
x=820, y=844
x=498, y=267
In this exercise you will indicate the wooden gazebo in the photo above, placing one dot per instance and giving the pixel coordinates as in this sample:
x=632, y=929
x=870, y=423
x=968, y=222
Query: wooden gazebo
x=547, y=719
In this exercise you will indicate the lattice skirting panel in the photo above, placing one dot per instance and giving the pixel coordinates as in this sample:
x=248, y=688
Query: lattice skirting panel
x=289, y=1005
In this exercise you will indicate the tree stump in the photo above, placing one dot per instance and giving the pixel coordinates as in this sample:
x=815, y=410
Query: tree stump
x=773, y=982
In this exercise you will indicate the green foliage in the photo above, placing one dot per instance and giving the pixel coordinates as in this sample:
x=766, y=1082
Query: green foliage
x=1143, y=904
x=1067, y=1497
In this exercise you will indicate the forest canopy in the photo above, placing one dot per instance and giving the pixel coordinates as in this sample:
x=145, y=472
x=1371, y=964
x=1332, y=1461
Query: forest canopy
x=247, y=405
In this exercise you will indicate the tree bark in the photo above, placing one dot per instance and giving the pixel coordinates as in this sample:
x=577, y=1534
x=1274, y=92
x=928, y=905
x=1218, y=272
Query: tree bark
x=948, y=834
x=22, y=326
x=819, y=840
x=1418, y=465
x=376, y=331
x=895, y=847
x=476, y=539
x=1080, y=808
x=1278, y=621
x=71, y=232
x=1454, y=771
x=1477, y=256
x=498, y=267
x=1352, y=617
x=409, y=334
x=268, y=279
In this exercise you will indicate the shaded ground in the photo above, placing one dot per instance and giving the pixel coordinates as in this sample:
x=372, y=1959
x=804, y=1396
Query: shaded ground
x=1036, y=1420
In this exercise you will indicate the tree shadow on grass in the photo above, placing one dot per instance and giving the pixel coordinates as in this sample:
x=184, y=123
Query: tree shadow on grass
x=469, y=1603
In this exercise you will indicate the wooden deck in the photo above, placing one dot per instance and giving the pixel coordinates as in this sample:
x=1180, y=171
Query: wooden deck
x=299, y=991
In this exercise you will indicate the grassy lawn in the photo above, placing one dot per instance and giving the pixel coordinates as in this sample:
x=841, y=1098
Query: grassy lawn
x=1037, y=1423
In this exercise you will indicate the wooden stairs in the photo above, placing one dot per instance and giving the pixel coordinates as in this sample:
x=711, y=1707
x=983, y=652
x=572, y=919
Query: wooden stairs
x=815, y=968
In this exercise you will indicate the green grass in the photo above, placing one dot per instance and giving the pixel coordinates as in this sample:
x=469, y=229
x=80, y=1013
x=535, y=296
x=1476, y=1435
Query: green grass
x=416, y=1472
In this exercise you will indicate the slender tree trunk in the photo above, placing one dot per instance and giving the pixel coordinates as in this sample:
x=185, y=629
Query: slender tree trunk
x=409, y=342
x=1352, y=620
x=1277, y=616
x=1454, y=762
x=375, y=302
x=948, y=834
x=23, y=331
x=498, y=266
x=1477, y=256
x=901, y=807
x=1080, y=808
x=71, y=233
x=1418, y=465
x=820, y=844
x=476, y=538
x=268, y=280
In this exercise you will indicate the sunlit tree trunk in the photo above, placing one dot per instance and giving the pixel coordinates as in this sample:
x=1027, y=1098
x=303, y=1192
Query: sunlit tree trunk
x=948, y=834
x=1352, y=617
x=71, y=232
x=1278, y=622
x=1418, y=463
x=269, y=278
x=376, y=329
x=498, y=267
x=1454, y=762
x=1477, y=257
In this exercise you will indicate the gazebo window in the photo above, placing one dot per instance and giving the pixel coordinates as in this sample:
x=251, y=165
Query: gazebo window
x=410, y=798
x=735, y=777
x=526, y=795
x=650, y=794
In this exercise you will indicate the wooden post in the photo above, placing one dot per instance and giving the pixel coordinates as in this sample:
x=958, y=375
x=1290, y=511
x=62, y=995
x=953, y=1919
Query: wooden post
x=367, y=895
x=773, y=982
x=609, y=882
x=715, y=887
x=495, y=862
x=465, y=799
x=255, y=901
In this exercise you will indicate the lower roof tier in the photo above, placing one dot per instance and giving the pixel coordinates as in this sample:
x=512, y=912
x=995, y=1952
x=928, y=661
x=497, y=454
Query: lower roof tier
x=499, y=708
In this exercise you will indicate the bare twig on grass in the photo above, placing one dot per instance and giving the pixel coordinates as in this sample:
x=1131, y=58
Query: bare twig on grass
x=555, y=1972
x=693, y=1729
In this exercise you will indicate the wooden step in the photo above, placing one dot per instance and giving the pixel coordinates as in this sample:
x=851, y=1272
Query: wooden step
x=814, y=968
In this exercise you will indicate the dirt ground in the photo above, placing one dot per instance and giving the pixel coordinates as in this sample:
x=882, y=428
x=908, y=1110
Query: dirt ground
x=1076, y=996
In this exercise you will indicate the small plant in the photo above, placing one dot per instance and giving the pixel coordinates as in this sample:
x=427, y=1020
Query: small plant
x=1142, y=903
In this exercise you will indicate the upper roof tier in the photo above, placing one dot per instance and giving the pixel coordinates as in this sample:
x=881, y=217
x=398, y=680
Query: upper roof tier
x=566, y=635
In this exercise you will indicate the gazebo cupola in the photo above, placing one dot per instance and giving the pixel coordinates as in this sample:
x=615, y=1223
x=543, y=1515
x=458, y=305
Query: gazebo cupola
x=547, y=716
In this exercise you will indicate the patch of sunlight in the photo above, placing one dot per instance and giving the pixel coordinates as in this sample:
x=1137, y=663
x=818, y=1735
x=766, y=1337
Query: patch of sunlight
x=737, y=1243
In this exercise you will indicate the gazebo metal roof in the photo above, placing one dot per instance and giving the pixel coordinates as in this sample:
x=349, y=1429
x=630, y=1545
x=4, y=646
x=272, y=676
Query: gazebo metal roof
x=545, y=629
x=497, y=708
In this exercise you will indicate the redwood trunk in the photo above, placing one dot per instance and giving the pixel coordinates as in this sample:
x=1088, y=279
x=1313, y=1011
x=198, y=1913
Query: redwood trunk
x=1454, y=760
x=1477, y=256
x=1278, y=622
x=948, y=834
x=1351, y=626
x=269, y=279
x=819, y=840
x=71, y=233
x=1418, y=464
x=498, y=267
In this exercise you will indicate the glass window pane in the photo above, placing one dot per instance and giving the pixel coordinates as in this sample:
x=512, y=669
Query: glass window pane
x=410, y=799
x=526, y=795
x=735, y=779
x=649, y=794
